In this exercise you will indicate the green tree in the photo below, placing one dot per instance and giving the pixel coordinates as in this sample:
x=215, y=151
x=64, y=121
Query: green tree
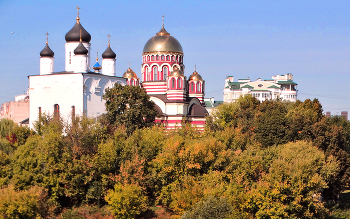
x=129, y=106
x=127, y=201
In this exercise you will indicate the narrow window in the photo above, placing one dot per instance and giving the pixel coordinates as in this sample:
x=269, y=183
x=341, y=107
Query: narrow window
x=73, y=112
x=152, y=58
x=173, y=83
x=167, y=58
x=198, y=86
x=155, y=72
x=192, y=87
x=70, y=57
x=179, y=83
x=56, y=112
x=147, y=58
x=165, y=72
x=146, y=72
x=157, y=57
x=162, y=57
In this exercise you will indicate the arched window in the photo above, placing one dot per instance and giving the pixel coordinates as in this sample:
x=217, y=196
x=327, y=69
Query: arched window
x=147, y=58
x=155, y=73
x=165, y=72
x=172, y=58
x=56, y=110
x=162, y=57
x=167, y=58
x=198, y=86
x=157, y=57
x=179, y=83
x=146, y=73
x=192, y=87
x=152, y=58
x=173, y=83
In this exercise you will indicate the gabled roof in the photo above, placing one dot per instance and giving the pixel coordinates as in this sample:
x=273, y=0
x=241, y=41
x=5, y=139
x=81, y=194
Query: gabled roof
x=274, y=86
x=235, y=85
x=247, y=86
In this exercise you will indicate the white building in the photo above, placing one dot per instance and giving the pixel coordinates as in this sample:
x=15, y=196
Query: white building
x=77, y=90
x=280, y=86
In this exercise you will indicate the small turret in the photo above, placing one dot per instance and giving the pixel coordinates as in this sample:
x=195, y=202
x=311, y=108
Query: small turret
x=46, y=59
x=108, y=60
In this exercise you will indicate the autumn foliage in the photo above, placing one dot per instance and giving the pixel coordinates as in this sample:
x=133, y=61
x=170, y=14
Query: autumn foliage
x=254, y=160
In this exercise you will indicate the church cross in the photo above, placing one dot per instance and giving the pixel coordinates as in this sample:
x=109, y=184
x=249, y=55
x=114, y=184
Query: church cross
x=47, y=37
x=163, y=20
x=78, y=10
x=109, y=39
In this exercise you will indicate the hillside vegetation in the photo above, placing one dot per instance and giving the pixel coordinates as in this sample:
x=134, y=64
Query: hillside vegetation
x=254, y=160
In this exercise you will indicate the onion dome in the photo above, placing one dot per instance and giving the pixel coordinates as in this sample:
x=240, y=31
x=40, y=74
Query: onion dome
x=176, y=73
x=74, y=34
x=109, y=54
x=163, y=42
x=47, y=52
x=195, y=77
x=81, y=50
x=97, y=66
x=130, y=74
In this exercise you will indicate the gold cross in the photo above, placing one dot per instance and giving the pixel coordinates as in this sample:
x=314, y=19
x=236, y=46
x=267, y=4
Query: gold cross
x=78, y=10
x=47, y=37
x=163, y=20
x=109, y=39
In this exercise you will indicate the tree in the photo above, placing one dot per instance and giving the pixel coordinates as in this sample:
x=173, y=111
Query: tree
x=129, y=106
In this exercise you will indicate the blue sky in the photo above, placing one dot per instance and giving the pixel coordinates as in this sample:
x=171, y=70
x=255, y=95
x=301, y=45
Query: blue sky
x=255, y=39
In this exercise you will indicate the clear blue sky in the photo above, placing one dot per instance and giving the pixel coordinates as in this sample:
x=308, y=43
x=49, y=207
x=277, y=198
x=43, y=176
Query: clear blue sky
x=255, y=39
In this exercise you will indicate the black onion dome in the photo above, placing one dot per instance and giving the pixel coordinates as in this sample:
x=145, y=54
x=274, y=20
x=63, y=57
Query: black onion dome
x=47, y=52
x=81, y=50
x=109, y=54
x=74, y=34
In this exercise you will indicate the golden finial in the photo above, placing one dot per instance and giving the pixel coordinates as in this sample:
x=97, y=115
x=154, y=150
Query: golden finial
x=78, y=14
x=163, y=20
x=47, y=37
x=109, y=39
x=80, y=35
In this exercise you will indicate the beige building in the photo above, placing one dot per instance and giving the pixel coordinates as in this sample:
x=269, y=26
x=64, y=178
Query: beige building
x=17, y=110
x=280, y=86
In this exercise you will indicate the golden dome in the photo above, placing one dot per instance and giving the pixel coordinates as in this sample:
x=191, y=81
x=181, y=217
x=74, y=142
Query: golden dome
x=176, y=72
x=195, y=77
x=162, y=42
x=130, y=74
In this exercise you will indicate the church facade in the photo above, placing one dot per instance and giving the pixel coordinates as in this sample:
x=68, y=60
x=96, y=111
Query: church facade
x=78, y=90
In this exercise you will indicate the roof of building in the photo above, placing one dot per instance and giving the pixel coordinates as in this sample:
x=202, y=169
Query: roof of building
x=109, y=54
x=197, y=110
x=287, y=82
x=163, y=42
x=234, y=85
x=211, y=104
x=247, y=86
x=47, y=52
x=176, y=72
x=274, y=86
x=195, y=77
x=130, y=74
x=74, y=34
x=81, y=50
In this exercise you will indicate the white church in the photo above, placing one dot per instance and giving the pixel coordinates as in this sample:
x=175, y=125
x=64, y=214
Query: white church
x=78, y=90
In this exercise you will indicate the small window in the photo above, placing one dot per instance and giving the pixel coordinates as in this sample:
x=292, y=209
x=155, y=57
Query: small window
x=155, y=73
x=56, y=112
x=165, y=72
x=172, y=58
x=152, y=58
x=162, y=57
x=173, y=83
x=147, y=58
x=146, y=72
x=157, y=57
x=192, y=87
x=168, y=58
x=70, y=57
x=179, y=83
x=198, y=86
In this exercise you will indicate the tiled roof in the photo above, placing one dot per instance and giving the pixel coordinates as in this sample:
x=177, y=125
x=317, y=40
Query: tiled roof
x=274, y=86
x=247, y=86
x=287, y=82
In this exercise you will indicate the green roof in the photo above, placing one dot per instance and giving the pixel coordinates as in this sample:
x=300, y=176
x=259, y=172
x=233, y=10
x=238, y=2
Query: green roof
x=287, y=82
x=274, y=86
x=235, y=85
x=247, y=86
x=259, y=90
